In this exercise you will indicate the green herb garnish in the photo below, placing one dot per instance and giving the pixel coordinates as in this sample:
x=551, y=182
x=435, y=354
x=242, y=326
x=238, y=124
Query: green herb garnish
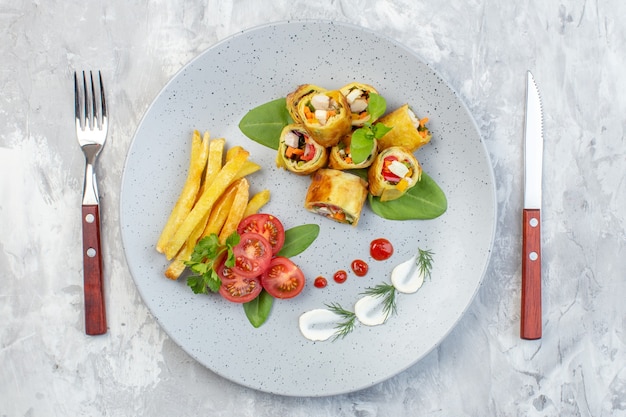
x=388, y=294
x=425, y=200
x=363, y=137
x=424, y=262
x=259, y=309
x=202, y=262
x=298, y=238
x=264, y=123
x=347, y=325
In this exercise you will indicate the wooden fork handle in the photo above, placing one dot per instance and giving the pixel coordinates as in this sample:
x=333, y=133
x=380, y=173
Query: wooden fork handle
x=531, y=275
x=95, y=313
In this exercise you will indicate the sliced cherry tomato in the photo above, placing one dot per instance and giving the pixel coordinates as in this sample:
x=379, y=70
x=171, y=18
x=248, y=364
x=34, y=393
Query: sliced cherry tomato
x=252, y=255
x=266, y=225
x=235, y=287
x=283, y=278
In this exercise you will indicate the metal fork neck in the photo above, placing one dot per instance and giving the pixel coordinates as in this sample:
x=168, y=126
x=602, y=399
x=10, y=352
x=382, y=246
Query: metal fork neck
x=90, y=187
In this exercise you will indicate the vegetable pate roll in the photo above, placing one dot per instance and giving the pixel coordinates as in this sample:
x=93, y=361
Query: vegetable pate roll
x=338, y=195
x=326, y=116
x=341, y=157
x=298, y=152
x=293, y=99
x=394, y=171
x=407, y=130
x=357, y=95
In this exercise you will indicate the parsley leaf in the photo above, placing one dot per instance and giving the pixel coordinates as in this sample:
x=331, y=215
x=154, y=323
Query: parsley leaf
x=202, y=262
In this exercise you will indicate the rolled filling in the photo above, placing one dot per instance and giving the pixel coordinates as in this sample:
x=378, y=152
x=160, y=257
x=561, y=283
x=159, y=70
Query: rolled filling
x=299, y=147
x=321, y=108
x=333, y=212
x=397, y=172
x=358, y=100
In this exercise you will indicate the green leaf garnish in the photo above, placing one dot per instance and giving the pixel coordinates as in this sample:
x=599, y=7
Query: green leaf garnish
x=425, y=200
x=347, y=325
x=264, y=123
x=202, y=262
x=259, y=309
x=424, y=262
x=362, y=138
x=376, y=106
x=298, y=238
x=388, y=294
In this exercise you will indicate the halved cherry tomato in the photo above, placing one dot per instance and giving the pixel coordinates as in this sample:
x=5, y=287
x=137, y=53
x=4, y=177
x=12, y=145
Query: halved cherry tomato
x=283, y=278
x=267, y=225
x=235, y=287
x=252, y=255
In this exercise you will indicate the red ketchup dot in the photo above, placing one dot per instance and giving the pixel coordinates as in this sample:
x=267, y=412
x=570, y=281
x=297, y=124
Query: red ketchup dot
x=340, y=276
x=320, y=282
x=359, y=267
x=381, y=249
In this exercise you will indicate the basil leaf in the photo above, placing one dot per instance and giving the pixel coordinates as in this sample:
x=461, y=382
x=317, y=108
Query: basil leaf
x=298, y=238
x=380, y=130
x=259, y=309
x=264, y=123
x=361, y=144
x=422, y=202
x=360, y=172
x=376, y=106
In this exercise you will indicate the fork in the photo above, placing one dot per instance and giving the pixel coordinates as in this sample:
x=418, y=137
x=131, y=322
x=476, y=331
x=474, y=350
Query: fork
x=91, y=131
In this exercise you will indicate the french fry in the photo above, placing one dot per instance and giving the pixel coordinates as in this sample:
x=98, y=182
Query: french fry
x=187, y=197
x=232, y=152
x=236, y=210
x=206, y=201
x=215, y=218
x=214, y=162
x=256, y=202
x=248, y=168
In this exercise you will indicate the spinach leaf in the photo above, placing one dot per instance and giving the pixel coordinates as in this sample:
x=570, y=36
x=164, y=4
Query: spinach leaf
x=422, y=202
x=259, y=309
x=298, y=238
x=264, y=123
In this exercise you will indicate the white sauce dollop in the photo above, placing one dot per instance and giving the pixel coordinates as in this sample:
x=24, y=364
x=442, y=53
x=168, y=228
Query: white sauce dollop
x=369, y=310
x=406, y=277
x=319, y=324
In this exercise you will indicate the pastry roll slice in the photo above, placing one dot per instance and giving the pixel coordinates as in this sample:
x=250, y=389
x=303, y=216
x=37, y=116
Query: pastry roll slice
x=407, y=130
x=358, y=95
x=294, y=98
x=326, y=116
x=394, y=171
x=338, y=195
x=298, y=152
x=341, y=157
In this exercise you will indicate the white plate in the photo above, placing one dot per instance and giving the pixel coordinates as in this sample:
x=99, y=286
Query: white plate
x=213, y=92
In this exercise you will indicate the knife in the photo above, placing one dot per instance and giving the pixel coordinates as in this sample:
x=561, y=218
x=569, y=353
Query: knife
x=530, y=327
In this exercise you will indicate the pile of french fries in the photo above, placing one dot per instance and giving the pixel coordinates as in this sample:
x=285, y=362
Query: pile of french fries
x=214, y=199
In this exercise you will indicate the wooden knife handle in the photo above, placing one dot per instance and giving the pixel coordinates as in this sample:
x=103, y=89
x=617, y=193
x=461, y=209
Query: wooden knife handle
x=531, y=275
x=95, y=313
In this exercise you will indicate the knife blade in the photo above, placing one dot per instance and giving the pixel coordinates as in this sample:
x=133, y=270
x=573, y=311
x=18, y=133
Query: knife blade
x=531, y=321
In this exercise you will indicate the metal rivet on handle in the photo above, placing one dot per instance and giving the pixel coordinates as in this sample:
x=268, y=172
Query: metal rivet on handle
x=91, y=252
x=90, y=218
x=534, y=222
x=533, y=256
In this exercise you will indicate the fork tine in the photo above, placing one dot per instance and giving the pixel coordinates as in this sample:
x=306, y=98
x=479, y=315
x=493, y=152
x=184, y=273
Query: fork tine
x=76, y=99
x=103, y=104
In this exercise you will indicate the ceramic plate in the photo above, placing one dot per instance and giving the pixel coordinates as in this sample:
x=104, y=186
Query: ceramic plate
x=213, y=92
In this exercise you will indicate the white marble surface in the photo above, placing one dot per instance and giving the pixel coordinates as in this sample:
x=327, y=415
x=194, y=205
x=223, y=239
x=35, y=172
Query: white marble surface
x=576, y=50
